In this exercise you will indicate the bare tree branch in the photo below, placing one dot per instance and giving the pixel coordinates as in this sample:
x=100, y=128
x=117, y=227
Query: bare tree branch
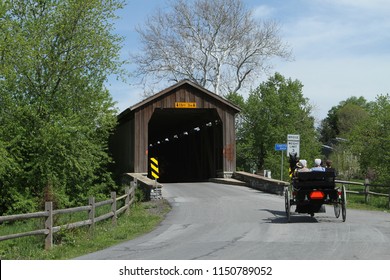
x=215, y=43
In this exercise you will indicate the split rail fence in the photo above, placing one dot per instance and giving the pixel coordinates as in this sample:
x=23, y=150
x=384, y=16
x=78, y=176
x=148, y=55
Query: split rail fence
x=366, y=190
x=49, y=214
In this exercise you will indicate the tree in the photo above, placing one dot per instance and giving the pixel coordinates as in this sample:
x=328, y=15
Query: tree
x=216, y=44
x=370, y=139
x=55, y=114
x=274, y=109
x=349, y=116
x=342, y=118
x=335, y=131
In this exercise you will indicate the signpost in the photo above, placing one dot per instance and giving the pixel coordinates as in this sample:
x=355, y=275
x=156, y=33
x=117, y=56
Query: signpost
x=293, y=144
x=292, y=147
x=281, y=147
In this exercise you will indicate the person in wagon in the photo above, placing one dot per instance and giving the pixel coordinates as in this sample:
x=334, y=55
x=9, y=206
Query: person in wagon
x=329, y=167
x=302, y=166
x=317, y=165
x=328, y=164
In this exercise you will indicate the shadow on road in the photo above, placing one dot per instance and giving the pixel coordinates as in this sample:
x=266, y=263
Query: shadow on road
x=279, y=217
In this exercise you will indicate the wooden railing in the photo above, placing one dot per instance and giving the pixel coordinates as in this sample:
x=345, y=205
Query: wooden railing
x=49, y=214
x=366, y=190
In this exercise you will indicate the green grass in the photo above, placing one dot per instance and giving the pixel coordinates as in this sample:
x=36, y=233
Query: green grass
x=69, y=244
x=375, y=203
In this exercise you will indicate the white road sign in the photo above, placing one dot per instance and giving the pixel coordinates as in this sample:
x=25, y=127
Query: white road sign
x=293, y=137
x=293, y=147
x=293, y=144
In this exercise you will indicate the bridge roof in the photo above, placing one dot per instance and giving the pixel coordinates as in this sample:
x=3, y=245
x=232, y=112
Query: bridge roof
x=171, y=89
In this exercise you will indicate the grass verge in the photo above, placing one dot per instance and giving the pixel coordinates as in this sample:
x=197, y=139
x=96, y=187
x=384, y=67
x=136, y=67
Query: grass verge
x=375, y=204
x=69, y=244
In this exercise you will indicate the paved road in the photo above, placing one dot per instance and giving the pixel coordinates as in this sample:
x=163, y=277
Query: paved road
x=215, y=221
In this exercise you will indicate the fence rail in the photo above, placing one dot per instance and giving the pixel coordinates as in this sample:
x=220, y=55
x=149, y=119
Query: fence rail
x=49, y=214
x=366, y=190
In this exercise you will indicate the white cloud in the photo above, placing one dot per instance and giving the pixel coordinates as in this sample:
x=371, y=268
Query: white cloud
x=371, y=5
x=313, y=34
x=262, y=12
x=329, y=31
x=329, y=81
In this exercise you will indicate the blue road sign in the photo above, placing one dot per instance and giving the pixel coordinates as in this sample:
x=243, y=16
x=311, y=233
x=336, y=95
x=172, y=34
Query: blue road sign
x=280, y=147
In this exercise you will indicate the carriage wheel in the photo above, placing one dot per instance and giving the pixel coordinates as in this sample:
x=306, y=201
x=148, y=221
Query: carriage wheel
x=287, y=204
x=344, y=204
x=337, y=210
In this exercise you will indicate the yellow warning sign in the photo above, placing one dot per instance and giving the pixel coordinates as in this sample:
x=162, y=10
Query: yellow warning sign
x=185, y=104
x=154, y=168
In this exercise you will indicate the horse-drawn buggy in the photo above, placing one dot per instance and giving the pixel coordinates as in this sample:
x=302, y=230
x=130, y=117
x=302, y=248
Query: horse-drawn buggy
x=311, y=191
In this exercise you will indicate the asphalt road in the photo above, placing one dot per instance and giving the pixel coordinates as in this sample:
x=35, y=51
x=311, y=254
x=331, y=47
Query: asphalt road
x=214, y=222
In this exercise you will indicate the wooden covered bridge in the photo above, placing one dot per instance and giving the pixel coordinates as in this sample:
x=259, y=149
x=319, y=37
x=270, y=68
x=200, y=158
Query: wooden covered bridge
x=187, y=129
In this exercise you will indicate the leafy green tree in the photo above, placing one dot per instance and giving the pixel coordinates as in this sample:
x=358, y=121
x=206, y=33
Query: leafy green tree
x=335, y=131
x=371, y=140
x=274, y=109
x=349, y=116
x=56, y=114
x=342, y=118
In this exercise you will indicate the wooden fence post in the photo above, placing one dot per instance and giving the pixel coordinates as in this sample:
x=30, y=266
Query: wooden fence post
x=389, y=198
x=127, y=201
x=366, y=190
x=49, y=225
x=91, y=213
x=133, y=184
x=113, y=207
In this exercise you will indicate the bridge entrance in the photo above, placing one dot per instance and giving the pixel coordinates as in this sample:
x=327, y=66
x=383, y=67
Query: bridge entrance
x=190, y=130
x=188, y=144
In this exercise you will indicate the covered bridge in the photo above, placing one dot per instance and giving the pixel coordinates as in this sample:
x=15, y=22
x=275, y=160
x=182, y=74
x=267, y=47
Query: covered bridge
x=189, y=130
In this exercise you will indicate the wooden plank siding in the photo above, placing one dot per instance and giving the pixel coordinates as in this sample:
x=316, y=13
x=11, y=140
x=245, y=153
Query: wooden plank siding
x=122, y=144
x=133, y=123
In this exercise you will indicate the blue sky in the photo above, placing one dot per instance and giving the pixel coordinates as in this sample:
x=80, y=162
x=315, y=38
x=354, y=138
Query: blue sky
x=341, y=48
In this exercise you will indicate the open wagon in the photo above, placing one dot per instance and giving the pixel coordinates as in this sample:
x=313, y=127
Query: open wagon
x=311, y=191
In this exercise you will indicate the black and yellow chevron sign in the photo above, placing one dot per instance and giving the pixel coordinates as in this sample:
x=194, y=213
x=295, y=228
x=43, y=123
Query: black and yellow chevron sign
x=154, y=168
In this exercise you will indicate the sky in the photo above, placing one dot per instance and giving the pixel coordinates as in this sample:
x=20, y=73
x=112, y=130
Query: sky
x=340, y=48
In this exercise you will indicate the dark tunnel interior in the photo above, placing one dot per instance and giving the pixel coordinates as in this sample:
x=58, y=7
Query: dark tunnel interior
x=187, y=143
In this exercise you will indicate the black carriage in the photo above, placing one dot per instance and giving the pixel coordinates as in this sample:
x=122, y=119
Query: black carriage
x=311, y=191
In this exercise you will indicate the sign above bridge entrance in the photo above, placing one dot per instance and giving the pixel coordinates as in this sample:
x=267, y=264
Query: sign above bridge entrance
x=185, y=104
